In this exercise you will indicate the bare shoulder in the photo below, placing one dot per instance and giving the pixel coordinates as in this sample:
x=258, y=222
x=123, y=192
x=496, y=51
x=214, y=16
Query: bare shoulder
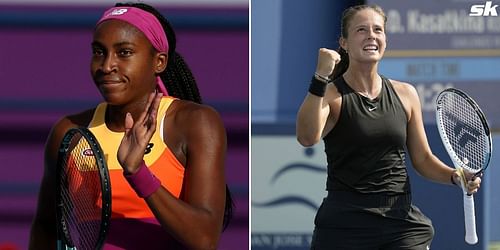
x=404, y=89
x=81, y=119
x=188, y=111
x=333, y=98
x=332, y=92
x=196, y=120
x=408, y=96
x=62, y=126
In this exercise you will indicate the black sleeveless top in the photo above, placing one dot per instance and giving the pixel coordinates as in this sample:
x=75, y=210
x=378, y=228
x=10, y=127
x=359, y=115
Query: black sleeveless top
x=366, y=148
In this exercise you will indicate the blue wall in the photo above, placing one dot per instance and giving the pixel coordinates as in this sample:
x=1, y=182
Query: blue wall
x=286, y=36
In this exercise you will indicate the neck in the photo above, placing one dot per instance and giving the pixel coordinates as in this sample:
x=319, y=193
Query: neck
x=115, y=114
x=364, y=79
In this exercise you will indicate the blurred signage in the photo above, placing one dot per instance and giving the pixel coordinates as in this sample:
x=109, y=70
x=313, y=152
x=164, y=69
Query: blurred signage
x=439, y=25
x=288, y=185
x=440, y=44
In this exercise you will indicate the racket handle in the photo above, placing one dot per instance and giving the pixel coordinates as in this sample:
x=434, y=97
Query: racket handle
x=470, y=220
x=62, y=246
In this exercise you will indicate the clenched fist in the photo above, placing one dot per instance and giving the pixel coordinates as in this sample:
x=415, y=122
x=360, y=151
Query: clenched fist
x=327, y=59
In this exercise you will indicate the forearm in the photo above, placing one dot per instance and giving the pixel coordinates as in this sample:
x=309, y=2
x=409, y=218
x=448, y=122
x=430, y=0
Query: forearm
x=434, y=169
x=194, y=227
x=194, y=224
x=42, y=237
x=311, y=120
x=43, y=232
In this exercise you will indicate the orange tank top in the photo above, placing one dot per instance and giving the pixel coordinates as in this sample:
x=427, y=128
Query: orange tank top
x=158, y=157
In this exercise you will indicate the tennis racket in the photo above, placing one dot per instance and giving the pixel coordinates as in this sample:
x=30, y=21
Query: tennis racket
x=83, y=201
x=467, y=139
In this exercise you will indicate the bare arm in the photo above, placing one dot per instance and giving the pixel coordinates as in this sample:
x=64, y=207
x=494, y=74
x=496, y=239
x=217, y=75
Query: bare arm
x=311, y=120
x=196, y=220
x=423, y=160
x=43, y=229
x=315, y=110
x=200, y=144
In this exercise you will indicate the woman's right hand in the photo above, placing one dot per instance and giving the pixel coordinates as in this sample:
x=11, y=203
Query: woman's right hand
x=138, y=134
x=327, y=59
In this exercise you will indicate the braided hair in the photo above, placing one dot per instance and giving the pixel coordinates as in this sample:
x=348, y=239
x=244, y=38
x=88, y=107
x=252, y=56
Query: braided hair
x=179, y=81
x=347, y=16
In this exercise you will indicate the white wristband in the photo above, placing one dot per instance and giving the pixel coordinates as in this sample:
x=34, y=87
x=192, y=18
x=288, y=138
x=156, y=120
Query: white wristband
x=321, y=78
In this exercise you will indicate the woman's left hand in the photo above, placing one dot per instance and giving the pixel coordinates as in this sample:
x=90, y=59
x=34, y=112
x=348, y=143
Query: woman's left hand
x=472, y=182
x=138, y=134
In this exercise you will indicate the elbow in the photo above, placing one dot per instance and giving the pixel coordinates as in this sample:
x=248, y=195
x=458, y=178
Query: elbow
x=207, y=242
x=307, y=135
x=204, y=238
x=307, y=141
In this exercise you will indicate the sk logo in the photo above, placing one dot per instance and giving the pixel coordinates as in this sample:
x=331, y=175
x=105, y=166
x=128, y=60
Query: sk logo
x=487, y=9
x=148, y=148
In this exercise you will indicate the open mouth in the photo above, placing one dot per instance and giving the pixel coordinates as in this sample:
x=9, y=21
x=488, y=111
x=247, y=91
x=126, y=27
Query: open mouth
x=370, y=47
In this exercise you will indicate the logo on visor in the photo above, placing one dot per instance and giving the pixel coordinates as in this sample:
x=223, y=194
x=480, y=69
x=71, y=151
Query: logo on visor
x=118, y=12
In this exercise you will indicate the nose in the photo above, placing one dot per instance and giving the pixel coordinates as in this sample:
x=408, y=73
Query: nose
x=109, y=64
x=371, y=34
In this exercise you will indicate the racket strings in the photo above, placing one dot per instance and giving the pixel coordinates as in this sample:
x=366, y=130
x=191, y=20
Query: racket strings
x=81, y=195
x=464, y=130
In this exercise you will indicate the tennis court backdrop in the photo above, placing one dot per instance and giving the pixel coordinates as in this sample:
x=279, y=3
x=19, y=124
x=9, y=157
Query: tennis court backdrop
x=431, y=44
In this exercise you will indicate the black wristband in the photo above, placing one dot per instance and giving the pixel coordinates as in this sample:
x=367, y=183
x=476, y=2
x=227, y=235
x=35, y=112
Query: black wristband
x=317, y=87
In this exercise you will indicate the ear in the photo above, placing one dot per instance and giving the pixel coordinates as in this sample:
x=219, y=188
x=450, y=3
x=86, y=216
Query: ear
x=161, y=59
x=343, y=43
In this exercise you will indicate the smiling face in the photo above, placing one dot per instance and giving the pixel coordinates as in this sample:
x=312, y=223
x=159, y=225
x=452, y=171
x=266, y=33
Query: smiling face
x=365, y=39
x=124, y=63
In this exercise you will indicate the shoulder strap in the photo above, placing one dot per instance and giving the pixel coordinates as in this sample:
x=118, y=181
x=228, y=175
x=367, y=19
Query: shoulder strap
x=341, y=85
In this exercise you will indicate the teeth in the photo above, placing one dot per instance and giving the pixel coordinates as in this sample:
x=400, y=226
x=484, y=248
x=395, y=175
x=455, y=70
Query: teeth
x=370, y=47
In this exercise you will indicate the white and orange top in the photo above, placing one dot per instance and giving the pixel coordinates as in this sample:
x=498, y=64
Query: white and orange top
x=132, y=221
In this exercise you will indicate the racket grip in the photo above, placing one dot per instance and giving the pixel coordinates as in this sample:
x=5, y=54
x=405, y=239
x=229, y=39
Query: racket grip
x=62, y=246
x=470, y=220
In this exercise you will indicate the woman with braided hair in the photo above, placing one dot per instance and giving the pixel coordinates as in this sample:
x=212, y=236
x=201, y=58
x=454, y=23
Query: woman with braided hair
x=168, y=182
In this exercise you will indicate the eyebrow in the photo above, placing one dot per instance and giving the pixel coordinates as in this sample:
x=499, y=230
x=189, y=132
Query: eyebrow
x=366, y=25
x=119, y=44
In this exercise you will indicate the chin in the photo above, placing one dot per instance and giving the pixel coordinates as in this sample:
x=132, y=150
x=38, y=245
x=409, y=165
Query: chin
x=112, y=98
x=373, y=58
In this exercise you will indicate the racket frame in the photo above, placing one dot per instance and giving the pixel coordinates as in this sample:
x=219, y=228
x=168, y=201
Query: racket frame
x=64, y=240
x=469, y=214
x=453, y=156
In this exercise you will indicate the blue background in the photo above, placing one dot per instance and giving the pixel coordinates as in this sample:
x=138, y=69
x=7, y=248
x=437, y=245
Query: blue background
x=285, y=38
